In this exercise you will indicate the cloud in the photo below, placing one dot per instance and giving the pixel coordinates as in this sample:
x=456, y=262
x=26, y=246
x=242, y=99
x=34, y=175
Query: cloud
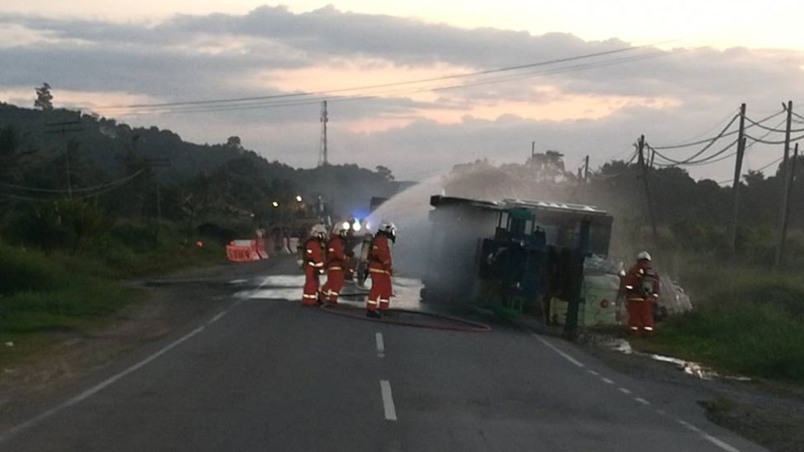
x=596, y=106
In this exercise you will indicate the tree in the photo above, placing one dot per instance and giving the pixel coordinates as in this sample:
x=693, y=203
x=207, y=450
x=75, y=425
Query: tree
x=44, y=98
x=549, y=166
x=385, y=172
x=234, y=142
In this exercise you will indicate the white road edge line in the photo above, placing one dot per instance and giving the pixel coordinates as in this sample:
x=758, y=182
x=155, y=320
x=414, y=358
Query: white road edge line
x=559, y=351
x=216, y=318
x=717, y=442
x=99, y=387
x=387, y=400
x=380, y=345
x=725, y=446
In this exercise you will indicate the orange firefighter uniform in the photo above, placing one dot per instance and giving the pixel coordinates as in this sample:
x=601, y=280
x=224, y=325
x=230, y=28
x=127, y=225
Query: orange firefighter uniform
x=313, y=261
x=641, y=287
x=336, y=265
x=379, y=265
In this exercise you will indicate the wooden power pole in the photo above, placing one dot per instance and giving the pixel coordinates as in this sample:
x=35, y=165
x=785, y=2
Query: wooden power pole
x=735, y=190
x=643, y=166
x=786, y=184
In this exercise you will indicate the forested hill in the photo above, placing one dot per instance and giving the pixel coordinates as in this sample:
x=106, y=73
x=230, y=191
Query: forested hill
x=225, y=175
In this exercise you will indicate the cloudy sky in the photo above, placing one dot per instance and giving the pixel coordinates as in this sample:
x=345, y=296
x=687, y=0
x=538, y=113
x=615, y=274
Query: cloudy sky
x=687, y=69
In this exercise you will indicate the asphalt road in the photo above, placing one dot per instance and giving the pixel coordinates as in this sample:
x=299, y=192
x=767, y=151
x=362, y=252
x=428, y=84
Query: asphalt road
x=271, y=375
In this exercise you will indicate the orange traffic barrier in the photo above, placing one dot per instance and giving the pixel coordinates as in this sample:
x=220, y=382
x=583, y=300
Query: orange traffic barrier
x=238, y=253
x=259, y=248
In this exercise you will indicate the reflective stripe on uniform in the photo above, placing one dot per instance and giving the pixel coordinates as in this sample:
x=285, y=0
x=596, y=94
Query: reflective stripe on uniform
x=377, y=270
x=309, y=296
x=335, y=268
x=372, y=302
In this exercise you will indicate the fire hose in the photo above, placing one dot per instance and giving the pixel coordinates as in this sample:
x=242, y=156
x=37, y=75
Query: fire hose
x=465, y=326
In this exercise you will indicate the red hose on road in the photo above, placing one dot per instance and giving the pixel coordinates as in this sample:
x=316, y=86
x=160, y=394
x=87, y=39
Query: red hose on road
x=359, y=314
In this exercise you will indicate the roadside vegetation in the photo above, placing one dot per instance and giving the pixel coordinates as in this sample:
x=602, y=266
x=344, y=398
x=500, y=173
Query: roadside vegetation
x=65, y=289
x=85, y=208
x=747, y=317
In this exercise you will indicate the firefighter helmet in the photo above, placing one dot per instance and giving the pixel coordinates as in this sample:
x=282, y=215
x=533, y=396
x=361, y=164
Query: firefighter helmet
x=341, y=229
x=389, y=229
x=319, y=231
x=644, y=256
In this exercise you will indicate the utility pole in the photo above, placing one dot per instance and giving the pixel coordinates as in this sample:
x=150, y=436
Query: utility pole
x=586, y=170
x=322, y=156
x=786, y=176
x=789, y=182
x=69, y=175
x=532, y=149
x=735, y=190
x=643, y=166
x=155, y=164
x=64, y=127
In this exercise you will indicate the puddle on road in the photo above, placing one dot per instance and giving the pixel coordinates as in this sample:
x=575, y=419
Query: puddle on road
x=688, y=367
x=289, y=287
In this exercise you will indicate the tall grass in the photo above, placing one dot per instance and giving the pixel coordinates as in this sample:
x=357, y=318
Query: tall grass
x=746, y=320
x=66, y=290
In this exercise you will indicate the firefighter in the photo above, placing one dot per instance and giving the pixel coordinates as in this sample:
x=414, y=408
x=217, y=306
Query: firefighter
x=313, y=263
x=380, y=270
x=336, y=263
x=641, y=287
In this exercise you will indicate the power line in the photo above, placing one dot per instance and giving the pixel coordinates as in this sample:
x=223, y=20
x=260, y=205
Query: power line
x=79, y=190
x=689, y=162
x=720, y=135
x=759, y=140
x=605, y=177
x=711, y=140
x=317, y=100
x=769, y=128
x=386, y=85
x=713, y=158
x=770, y=164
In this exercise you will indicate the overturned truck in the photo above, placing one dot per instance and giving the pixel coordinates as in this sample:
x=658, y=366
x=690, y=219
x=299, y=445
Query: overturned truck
x=515, y=254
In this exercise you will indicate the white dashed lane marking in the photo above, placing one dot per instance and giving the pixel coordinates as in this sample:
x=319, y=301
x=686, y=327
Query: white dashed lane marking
x=624, y=390
x=380, y=345
x=388, y=400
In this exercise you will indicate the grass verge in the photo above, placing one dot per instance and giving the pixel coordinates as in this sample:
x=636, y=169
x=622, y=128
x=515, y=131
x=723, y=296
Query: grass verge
x=72, y=291
x=746, y=321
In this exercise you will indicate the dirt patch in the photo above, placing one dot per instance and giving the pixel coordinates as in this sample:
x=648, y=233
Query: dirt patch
x=768, y=413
